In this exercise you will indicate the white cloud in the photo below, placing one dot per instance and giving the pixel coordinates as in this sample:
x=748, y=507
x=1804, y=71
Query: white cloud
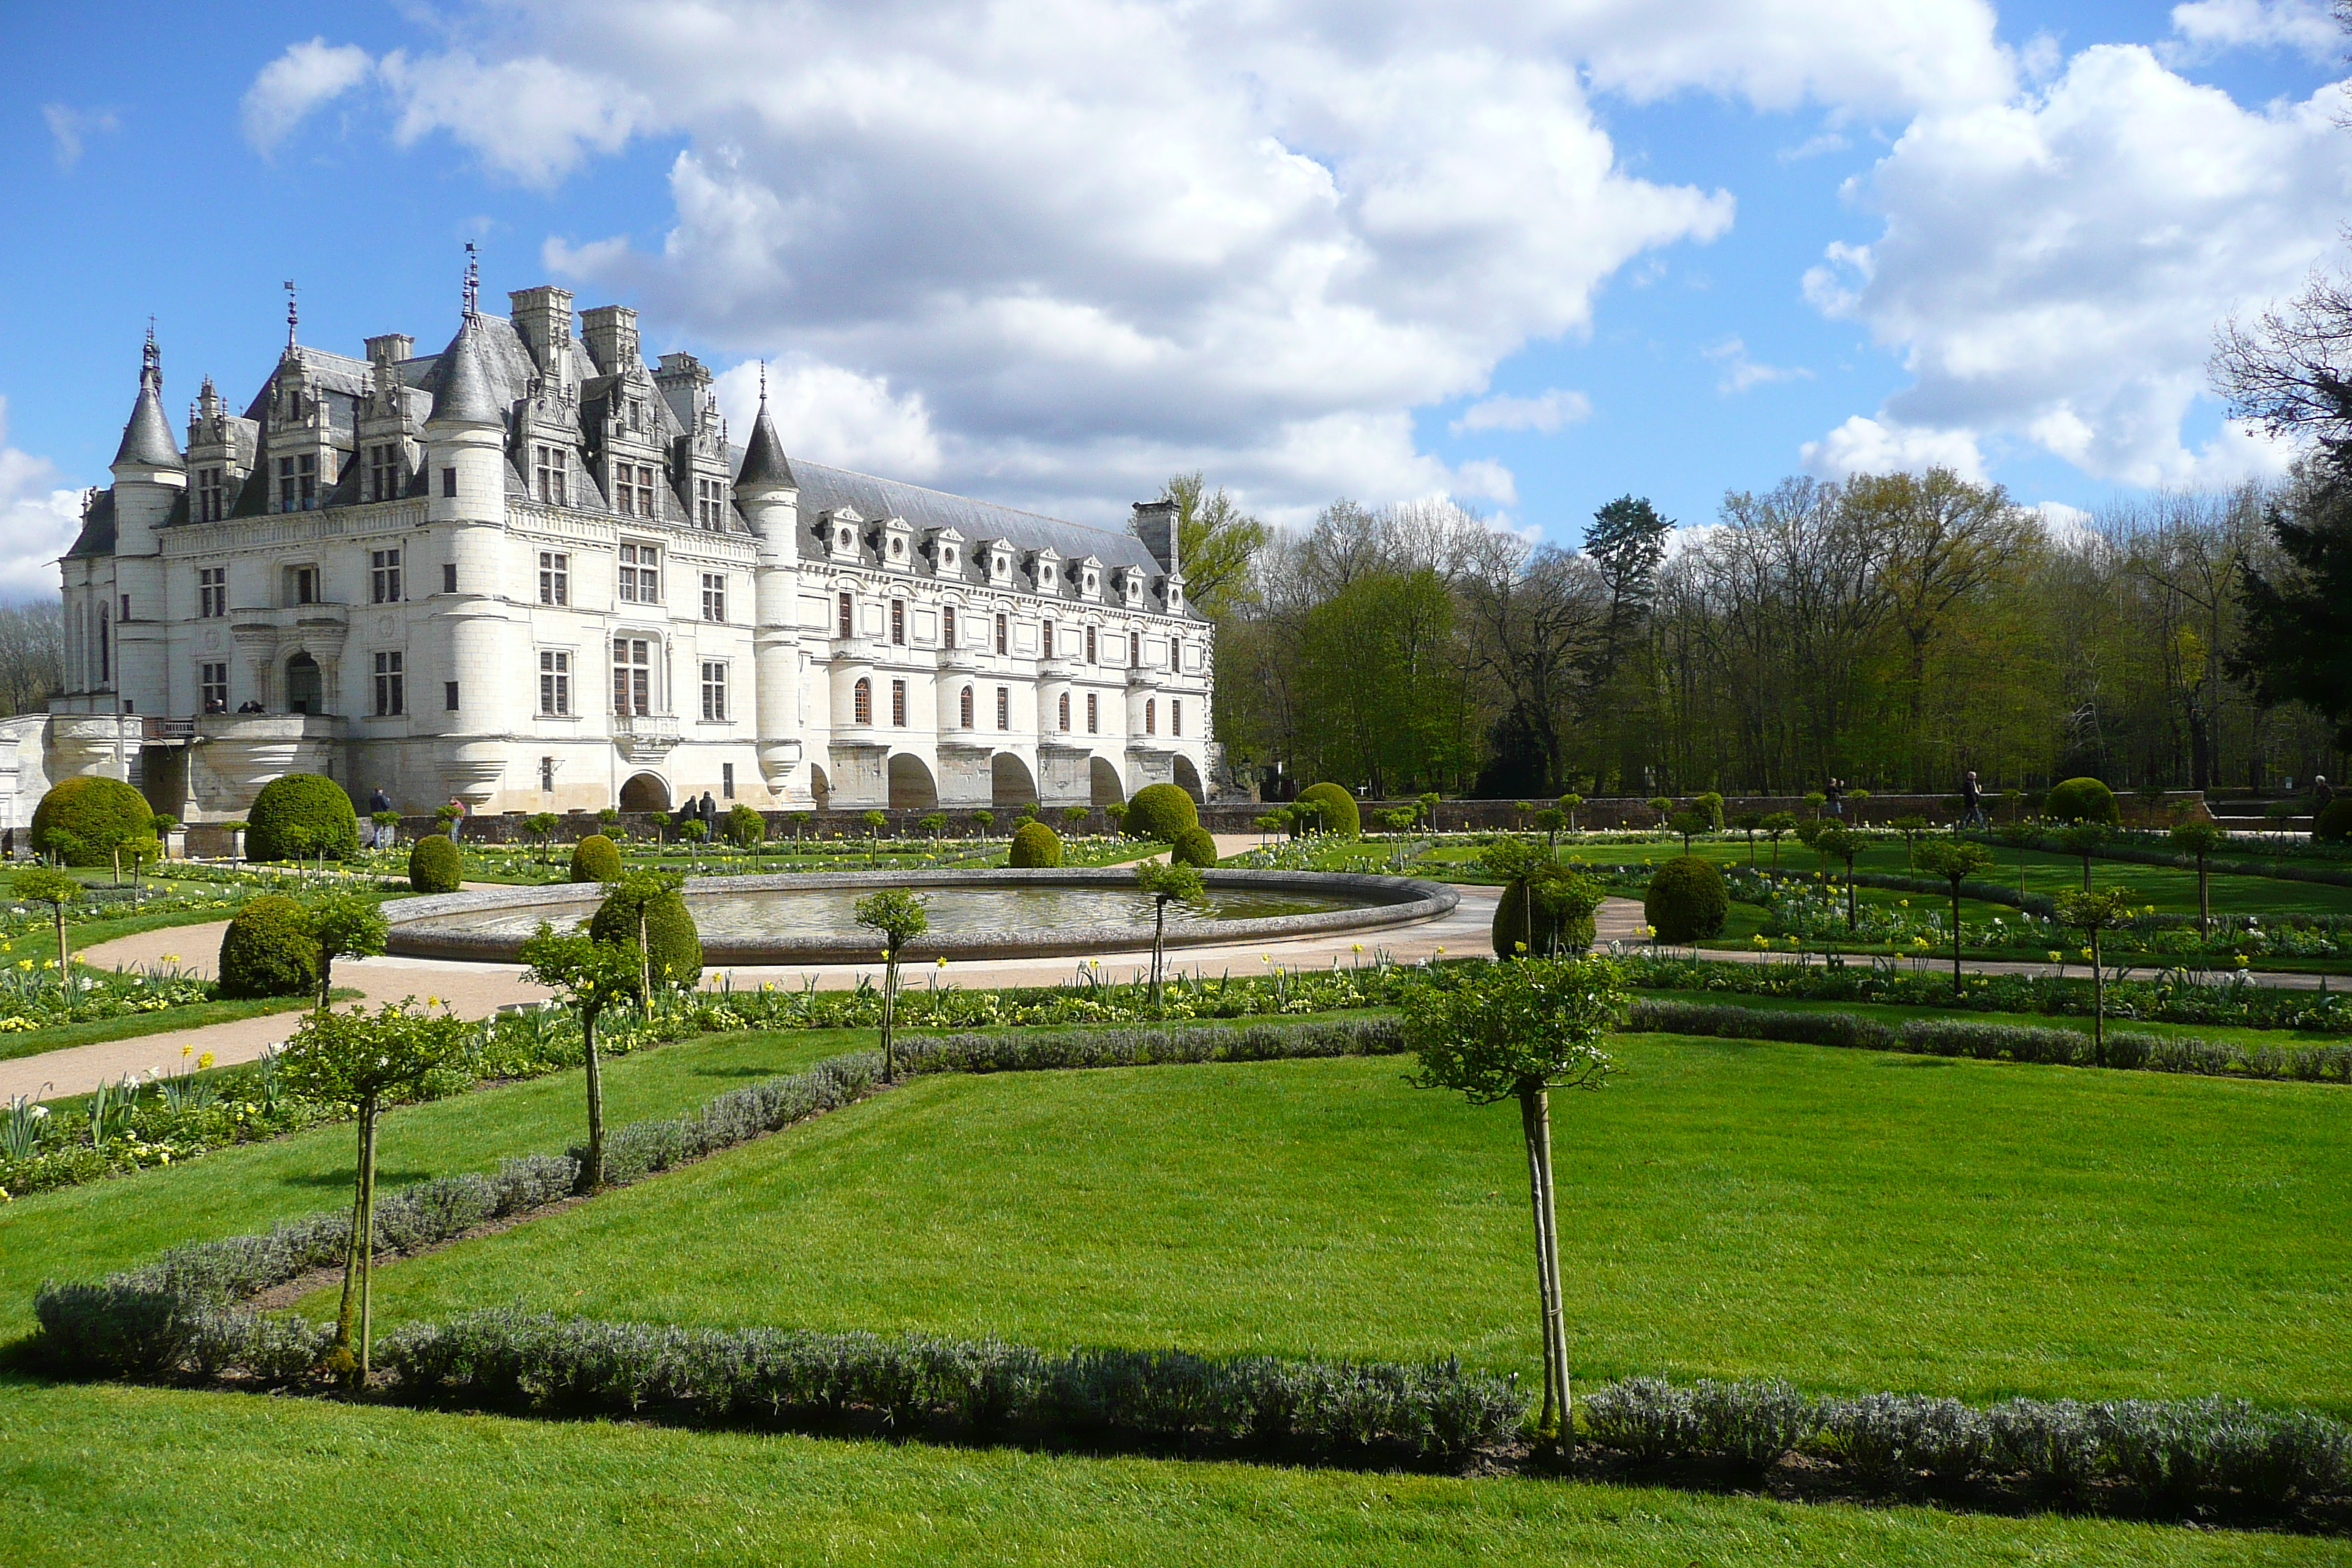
x=1545, y=413
x=2067, y=526
x=836, y=418
x=2209, y=27
x=2052, y=268
x=37, y=520
x=1740, y=372
x=69, y=128
x=1491, y=480
x=535, y=119
x=289, y=88
x=1866, y=445
x=1813, y=147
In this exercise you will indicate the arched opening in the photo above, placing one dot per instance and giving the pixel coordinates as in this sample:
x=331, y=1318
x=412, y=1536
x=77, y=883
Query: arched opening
x=820, y=788
x=1009, y=784
x=1105, y=780
x=644, y=791
x=1188, y=778
x=305, y=693
x=911, y=788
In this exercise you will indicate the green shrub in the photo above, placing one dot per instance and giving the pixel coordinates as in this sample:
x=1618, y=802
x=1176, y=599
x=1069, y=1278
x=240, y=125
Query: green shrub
x=269, y=949
x=647, y=905
x=1561, y=920
x=297, y=815
x=2334, y=825
x=83, y=819
x=745, y=826
x=1034, y=845
x=433, y=864
x=1338, y=807
x=595, y=858
x=1686, y=899
x=2083, y=800
x=1160, y=811
x=1194, y=847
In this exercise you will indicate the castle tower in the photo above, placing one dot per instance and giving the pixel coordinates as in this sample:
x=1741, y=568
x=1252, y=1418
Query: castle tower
x=466, y=468
x=150, y=480
x=769, y=498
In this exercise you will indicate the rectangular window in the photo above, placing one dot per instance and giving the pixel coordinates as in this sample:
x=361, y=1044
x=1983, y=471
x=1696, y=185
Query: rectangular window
x=306, y=584
x=1148, y=716
x=947, y=629
x=387, y=471
x=898, y=703
x=1046, y=648
x=448, y=576
x=383, y=576
x=714, y=690
x=211, y=592
x=1090, y=645
x=625, y=489
x=553, y=469
x=554, y=577
x=897, y=623
x=1004, y=708
x=450, y=484
x=641, y=574
x=212, y=495
x=633, y=676
x=298, y=484
x=1000, y=634
x=126, y=606
x=212, y=687
x=646, y=491
x=714, y=596
x=546, y=775
x=1175, y=715
x=726, y=781
x=389, y=699
x=555, y=683
x=1135, y=650
x=710, y=503
x=1093, y=713
x=449, y=696
x=845, y=617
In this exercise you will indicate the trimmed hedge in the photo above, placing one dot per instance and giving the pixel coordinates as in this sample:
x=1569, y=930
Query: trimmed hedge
x=1160, y=811
x=435, y=866
x=595, y=858
x=1035, y=845
x=673, y=945
x=1193, y=846
x=2083, y=800
x=1688, y=900
x=84, y=819
x=1340, y=816
x=1561, y=920
x=311, y=801
x=269, y=949
x=2334, y=825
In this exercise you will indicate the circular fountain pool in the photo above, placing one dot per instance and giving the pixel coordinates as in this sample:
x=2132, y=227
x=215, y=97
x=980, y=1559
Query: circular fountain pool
x=973, y=914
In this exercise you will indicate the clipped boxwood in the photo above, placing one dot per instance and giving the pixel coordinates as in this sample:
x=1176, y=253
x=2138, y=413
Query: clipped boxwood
x=433, y=864
x=2083, y=800
x=306, y=801
x=595, y=858
x=1340, y=816
x=1193, y=846
x=2334, y=825
x=1160, y=811
x=1562, y=917
x=83, y=819
x=1035, y=845
x=1686, y=900
x=269, y=949
x=673, y=945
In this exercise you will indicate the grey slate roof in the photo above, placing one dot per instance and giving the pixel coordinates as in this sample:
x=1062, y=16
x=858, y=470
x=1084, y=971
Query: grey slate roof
x=147, y=439
x=460, y=383
x=763, y=461
x=96, y=537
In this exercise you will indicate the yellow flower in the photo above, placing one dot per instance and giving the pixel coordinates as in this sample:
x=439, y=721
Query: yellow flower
x=2057, y=957
x=205, y=1060
x=171, y=958
x=187, y=1051
x=944, y=961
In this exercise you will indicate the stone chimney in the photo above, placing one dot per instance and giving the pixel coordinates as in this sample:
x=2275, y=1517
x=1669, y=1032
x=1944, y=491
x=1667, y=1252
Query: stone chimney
x=611, y=333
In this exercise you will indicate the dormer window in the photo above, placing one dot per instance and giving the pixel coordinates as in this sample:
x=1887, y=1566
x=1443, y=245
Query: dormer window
x=387, y=471
x=298, y=484
x=947, y=558
x=898, y=547
x=847, y=539
x=710, y=503
x=211, y=496
x=1090, y=583
x=1045, y=576
x=553, y=473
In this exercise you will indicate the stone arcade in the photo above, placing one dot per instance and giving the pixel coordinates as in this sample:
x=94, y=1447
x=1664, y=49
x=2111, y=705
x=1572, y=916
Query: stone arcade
x=533, y=572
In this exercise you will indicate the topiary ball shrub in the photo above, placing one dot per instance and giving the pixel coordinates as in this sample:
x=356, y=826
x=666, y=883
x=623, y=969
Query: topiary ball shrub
x=2083, y=800
x=311, y=801
x=1194, y=847
x=2334, y=825
x=269, y=949
x=1563, y=920
x=673, y=945
x=1160, y=811
x=88, y=816
x=433, y=864
x=1686, y=900
x=595, y=858
x=1340, y=816
x=1035, y=845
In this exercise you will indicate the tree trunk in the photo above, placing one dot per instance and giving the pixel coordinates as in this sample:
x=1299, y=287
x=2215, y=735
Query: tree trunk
x=889, y=1008
x=2098, y=1004
x=1158, y=924
x=65, y=959
x=347, y=1315
x=644, y=964
x=2204, y=899
x=367, y=1232
x=1556, y=1424
x=326, y=978
x=595, y=1171
x=1853, y=913
x=1955, y=941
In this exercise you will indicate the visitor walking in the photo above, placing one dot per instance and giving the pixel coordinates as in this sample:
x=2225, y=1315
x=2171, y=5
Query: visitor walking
x=2322, y=794
x=377, y=802
x=456, y=818
x=1973, y=811
x=1833, y=793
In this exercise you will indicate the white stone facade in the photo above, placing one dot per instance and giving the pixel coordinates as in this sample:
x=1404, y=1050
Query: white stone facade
x=531, y=572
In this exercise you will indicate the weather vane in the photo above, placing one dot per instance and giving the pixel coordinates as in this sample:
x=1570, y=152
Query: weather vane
x=763, y=381
x=293, y=316
x=473, y=282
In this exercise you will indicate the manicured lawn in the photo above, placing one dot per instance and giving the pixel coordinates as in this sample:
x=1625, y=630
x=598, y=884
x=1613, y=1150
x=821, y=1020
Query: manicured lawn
x=102, y=1476
x=1851, y=1220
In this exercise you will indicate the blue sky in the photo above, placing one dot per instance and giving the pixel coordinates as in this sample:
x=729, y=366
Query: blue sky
x=1533, y=257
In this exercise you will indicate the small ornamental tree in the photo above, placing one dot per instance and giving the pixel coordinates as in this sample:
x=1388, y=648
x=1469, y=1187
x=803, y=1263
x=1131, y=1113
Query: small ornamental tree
x=1517, y=1031
x=1662, y=808
x=345, y=925
x=39, y=885
x=1430, y=801
x=1816, y=799
x=934, y=824
x=2083, y=838
x=745, y=826
x=1268, y=824
x=1567, y=804
x=1748, y=821
x=2021, y=835
x=2083, y=800
x=1116, y=815
x=900, y=917
x=2094, y=910
x=1690, y=823
x=362, y=1058
x=1955, y=860
x=875, y=822
x=1836, y=843
x=1911, y=824
x=592, y=976
x=541, y=826
x=986, y=819
x=1549, y=822
x=2200, y=839
x=1164, y=885
x=1776, y=825
x=643, y=908
x=1075, y=817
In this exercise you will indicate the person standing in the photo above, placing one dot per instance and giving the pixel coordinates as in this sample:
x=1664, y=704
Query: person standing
x=456, y=818
x=709, y=812
x=1834, y=793
x=377, y=802
x=1973, y=811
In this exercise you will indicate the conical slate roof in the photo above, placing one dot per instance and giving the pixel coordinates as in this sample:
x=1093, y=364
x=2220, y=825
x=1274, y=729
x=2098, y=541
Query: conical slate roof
x=147, y=440
x=764, y=467
x=464, y=396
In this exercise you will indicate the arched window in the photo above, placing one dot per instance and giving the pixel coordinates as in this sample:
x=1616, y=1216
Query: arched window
x=1065, y=711
x=1150, y=717
x=967, y=707
x=861, y=701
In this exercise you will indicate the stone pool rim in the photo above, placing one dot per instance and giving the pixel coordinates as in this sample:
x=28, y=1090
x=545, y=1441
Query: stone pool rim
x=1391, y=901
